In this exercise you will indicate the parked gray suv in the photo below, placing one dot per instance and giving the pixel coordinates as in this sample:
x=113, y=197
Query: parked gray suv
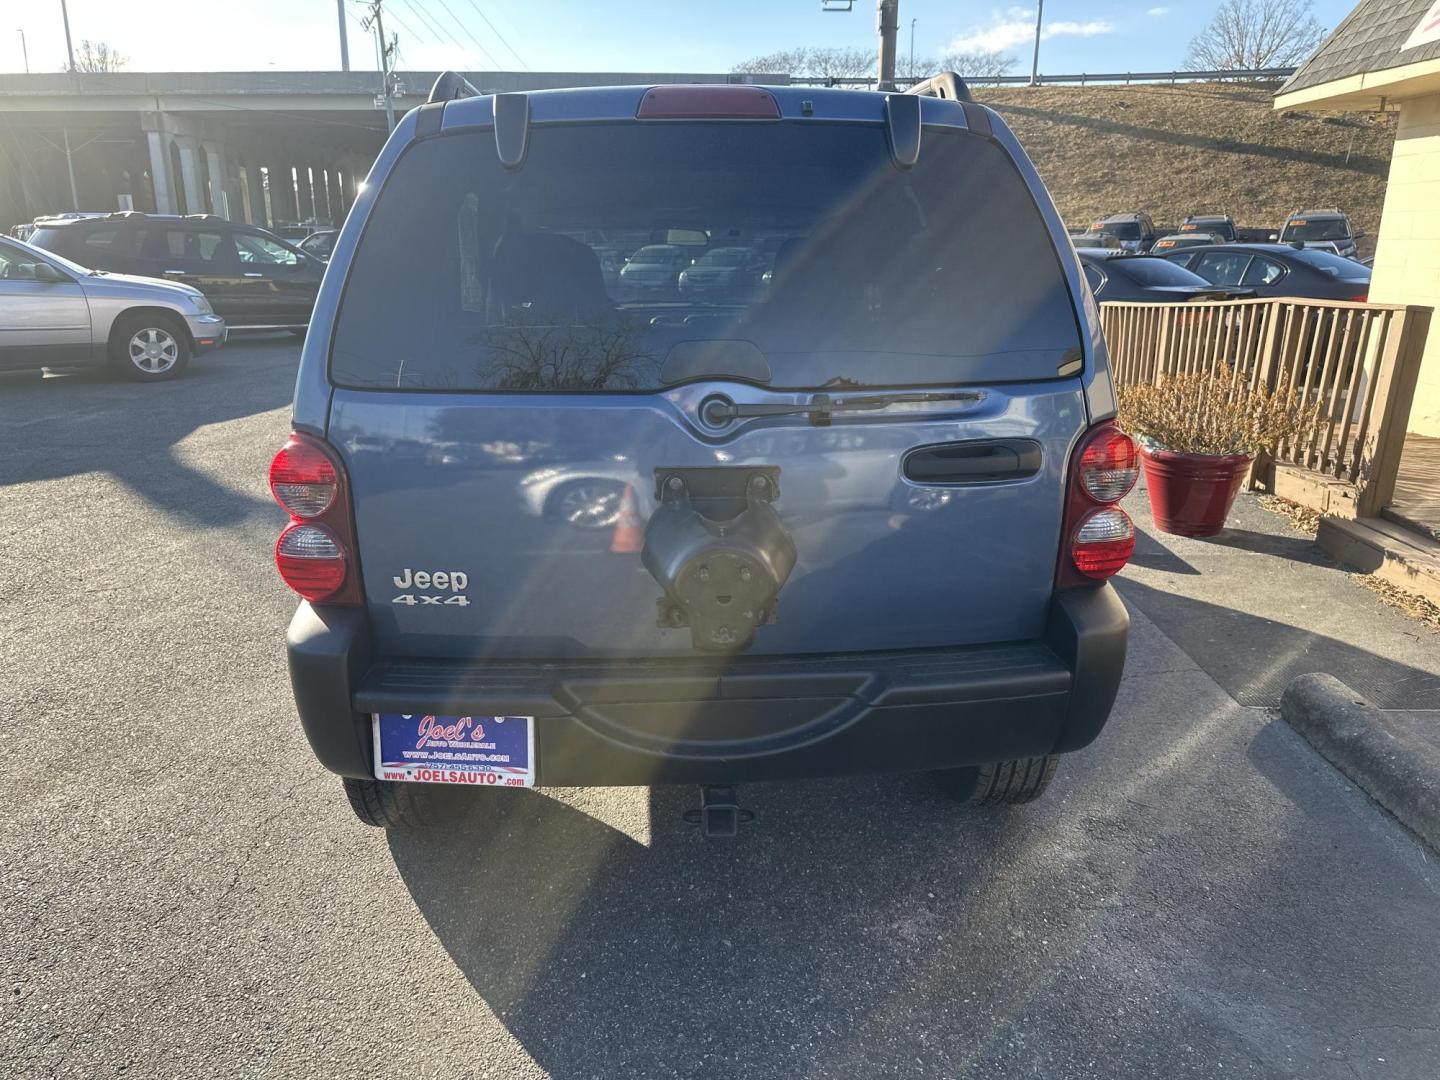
x=866, y=515
x=57, y=314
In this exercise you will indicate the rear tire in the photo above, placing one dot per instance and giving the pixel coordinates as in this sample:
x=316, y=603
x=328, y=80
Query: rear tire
x=999, y=783
x=149, y=348
x=386, y=806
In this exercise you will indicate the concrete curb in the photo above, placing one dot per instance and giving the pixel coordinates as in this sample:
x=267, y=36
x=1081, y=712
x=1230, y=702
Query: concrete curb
x=1352, y=735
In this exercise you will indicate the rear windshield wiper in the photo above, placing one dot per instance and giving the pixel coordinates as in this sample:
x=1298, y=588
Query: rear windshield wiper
x=822, y=407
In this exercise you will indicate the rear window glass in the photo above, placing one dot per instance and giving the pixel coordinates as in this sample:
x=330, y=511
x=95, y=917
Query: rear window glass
x=1316, y=229
x=1125, y=230
x=50, y=239
x=110, y=240
x=659, y=253
x=1145, y=271
x=1334, y=265
x=319, y=243
x=23, y=251
x=567, y=273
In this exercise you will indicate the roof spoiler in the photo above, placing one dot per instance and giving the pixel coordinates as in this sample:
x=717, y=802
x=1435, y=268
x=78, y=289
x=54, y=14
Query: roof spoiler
x=451, y=85
x=946, y=85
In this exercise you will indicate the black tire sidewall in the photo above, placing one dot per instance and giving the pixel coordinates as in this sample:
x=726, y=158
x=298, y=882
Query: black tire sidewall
x=999, y=783
x=127, y=326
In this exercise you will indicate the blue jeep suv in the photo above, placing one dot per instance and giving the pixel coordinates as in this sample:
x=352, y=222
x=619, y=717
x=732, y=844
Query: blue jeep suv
x=856, y=519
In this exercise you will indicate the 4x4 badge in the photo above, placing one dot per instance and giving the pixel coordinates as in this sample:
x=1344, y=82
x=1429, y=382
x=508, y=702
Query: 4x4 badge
x=453, y=581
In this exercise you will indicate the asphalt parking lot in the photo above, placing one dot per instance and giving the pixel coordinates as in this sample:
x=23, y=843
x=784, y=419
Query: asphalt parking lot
x=183, y=891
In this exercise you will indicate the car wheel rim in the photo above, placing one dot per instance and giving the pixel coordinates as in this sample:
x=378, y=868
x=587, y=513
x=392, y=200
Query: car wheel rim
x=154, y=350
x=590, y=507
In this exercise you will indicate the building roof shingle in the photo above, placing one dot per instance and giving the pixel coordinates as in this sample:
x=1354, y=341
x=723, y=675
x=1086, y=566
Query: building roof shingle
x=1369, y=39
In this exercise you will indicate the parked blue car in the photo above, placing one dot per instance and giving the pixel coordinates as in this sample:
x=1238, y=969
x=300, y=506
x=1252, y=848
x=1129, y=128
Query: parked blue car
x=863, y=517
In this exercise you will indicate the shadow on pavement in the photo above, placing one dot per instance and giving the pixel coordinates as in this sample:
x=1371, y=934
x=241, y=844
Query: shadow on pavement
x=86, y=422
x=1254, y=658
x=1297, y=548
x=1162, y=905
x=1153, y=555
x=607, y=957
x=1165, y=903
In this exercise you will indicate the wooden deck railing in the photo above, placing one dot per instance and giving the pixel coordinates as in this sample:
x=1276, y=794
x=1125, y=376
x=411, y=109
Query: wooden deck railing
x=1358, y=361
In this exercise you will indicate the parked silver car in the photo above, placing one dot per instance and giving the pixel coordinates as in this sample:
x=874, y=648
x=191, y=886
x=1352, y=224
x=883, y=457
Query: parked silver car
x=655, y=268
x=55, y=314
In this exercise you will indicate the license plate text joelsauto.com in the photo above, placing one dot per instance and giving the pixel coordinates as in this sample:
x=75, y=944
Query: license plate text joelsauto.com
x=483, y=751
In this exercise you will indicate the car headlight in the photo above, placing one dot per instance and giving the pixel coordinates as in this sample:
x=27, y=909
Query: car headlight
x=202, y=305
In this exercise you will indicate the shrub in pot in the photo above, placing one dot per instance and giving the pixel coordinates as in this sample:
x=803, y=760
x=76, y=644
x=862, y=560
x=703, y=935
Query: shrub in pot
x=1198, y=434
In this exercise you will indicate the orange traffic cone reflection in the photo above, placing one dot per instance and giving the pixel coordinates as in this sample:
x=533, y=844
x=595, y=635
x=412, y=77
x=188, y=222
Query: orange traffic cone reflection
x=629, y=536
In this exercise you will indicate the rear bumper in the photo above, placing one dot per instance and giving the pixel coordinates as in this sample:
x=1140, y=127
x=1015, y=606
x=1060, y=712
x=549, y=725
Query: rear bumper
x=703, y=721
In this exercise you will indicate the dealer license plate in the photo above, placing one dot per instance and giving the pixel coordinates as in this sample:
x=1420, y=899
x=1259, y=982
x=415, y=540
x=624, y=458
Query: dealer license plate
x=484, y=751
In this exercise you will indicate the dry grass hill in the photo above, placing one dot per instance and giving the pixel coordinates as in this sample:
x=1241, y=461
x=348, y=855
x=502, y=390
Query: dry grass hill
x=1173, y=150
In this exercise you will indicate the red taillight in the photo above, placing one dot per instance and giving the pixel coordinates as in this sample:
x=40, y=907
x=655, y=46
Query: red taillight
x=1099, y=537
x=1109, y=465
x=311, y=561
x=316, y=553
x=681, y=102
x=303, y=478
x=1103, y=543
x=1363, y=298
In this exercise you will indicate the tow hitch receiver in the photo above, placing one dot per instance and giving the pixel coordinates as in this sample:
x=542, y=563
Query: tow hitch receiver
x=720, y=813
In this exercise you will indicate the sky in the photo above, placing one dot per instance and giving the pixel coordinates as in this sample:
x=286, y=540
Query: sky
x=596, y=35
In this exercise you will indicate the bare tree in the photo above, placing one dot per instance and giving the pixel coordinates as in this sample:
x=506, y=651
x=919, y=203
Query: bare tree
x=565, y=356
x=97, y=56
x=786, y=61
x=813, y=63
x=1251, y=34
x=841, y=63
x=978, y=64
x=922, y=67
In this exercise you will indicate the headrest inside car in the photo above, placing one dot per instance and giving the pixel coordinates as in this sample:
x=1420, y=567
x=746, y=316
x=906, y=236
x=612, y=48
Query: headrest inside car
x=549, y=273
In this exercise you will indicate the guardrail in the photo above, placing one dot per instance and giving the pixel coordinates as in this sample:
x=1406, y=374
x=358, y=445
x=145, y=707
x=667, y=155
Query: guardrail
x=1084, y=78
x=1359, y=361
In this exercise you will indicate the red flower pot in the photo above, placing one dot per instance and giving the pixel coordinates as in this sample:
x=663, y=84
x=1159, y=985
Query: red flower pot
x=1190, y=494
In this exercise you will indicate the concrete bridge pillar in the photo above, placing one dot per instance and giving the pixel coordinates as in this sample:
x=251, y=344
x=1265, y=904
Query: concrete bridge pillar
x=282, y=195
x=323, y=210
x=235, y=194
x=160, y=179
x=351, y=178
x=305, y=192
x=256, y=182
x=337, y=198
x=216, y=165
x=190, y=174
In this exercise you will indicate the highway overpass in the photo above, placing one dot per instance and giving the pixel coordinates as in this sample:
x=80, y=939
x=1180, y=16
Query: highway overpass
x=264, y=147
